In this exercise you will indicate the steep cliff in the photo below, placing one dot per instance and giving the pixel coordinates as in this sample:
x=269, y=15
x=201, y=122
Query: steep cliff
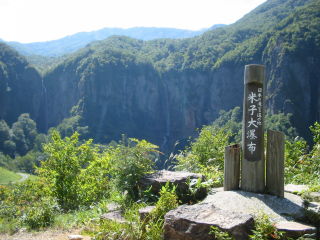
x=20, y=86
x=163, y=90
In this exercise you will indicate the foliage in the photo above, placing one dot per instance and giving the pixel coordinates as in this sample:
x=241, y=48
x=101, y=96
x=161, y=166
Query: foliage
x=315, y=129
x=206, y=154
x=130, y=160
x=295, y=157
x=27, y=203
x=70, y=125
x=168, y=200
x=219, y=234
x=24, y=133
x=6, y=145
x=73, y=171
x=231, y=120
x=28, y=162
x=281, y=122
x=22, y=143
x=264, y=229
x=6, y=162
x=302, y=167
x=4, y=132
x=151, y=228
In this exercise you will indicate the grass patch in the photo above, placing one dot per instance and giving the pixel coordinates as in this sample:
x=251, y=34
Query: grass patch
x=7, y=176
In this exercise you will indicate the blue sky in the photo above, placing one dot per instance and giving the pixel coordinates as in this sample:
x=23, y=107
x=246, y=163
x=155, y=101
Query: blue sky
x=44, y=20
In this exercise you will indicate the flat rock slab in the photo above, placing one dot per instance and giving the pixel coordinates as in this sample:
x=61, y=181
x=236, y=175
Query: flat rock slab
x=294, y=188
x=295, y=229
x=278, y=209
x=189, y=222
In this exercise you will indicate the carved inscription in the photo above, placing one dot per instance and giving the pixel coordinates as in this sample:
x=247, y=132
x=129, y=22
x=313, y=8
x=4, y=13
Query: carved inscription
x=253, y=122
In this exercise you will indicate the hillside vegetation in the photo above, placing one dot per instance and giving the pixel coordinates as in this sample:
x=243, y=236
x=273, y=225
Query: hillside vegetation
x=162, y=90
x=7, y=176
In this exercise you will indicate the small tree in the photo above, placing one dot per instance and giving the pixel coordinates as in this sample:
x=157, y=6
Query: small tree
x=24, y=133
x=130, y=160
x=62, y=170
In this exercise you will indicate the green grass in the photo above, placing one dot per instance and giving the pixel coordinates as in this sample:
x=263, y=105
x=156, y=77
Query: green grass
x=7, y=176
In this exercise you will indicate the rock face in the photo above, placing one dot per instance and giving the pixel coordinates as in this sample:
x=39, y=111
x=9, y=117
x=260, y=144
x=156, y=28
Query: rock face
x=178, y=179
x=293, y=188
x=114, y=214
x=233, y=211
x=195, y=221
x=279, y=209
x=144, y=212
x=295, y=229
x=21, y=88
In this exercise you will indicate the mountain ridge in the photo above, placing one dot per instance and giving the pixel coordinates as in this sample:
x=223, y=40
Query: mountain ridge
x=71, y=43
x=163, y=90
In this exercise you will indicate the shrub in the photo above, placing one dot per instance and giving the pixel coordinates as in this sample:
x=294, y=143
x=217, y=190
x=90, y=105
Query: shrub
x=28, y=204
x=73, y=171
x=264, y=229
x=206, y=154
x=129, y=161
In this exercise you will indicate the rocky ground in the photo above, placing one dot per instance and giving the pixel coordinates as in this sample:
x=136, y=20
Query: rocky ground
x=45, y=235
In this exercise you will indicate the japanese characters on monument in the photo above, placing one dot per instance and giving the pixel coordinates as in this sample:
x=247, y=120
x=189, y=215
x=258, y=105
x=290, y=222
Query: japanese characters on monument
x=253, y=122
x=253, y=163
x=255, y=111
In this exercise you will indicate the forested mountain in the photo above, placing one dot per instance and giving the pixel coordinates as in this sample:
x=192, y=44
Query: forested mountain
x=74, y=42
x=21, y=88
x=163, y=90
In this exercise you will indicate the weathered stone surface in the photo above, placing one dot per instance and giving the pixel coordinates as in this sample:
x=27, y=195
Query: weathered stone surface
x=144, y=212
x=179, y=179
x=189, y=222
x=113, y=206
x=314, y=207
x=315, y=196
x=278, y=209
x=233, y=211
x=295, y=229
x=114, y=216
x=293, y=188
x=75, y=237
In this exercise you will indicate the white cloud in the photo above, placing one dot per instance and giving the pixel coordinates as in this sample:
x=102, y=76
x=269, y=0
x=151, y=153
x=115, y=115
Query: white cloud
x=40, y=20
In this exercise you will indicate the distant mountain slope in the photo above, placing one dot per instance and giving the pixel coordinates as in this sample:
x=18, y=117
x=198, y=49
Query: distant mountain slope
x=164, y=89
x=74, y=42
x=20, y=86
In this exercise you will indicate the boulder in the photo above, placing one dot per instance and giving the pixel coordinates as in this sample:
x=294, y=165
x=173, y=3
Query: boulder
x=315, y=196
x=144, y=212
x=289, y=208
x=233, y=212
x=295, y=229
x=113, y=206
x=179, y=179
x=114, y=216
x=189, y=222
